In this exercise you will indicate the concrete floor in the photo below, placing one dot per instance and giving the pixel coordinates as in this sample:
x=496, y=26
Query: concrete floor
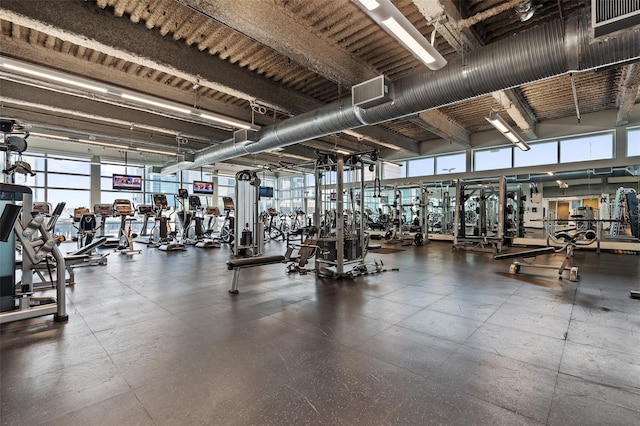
x=451, y=338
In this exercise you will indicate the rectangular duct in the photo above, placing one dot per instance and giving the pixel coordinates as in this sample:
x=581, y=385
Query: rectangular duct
x=370, y=93
x=245, y=135
x=610, y=16
x=603, y=171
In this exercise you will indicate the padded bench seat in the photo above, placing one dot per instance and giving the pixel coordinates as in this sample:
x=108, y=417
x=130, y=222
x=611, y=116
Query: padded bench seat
x=254, y=261
x=236, y=265
x=525, y=254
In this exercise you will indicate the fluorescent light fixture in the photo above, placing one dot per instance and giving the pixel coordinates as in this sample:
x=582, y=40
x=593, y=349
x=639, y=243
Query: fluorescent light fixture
x=155, y=151
x=550, y=173
x=152, y=102
x=343, y=152
x=47, y=136
x=504, y=128
x=370, y=4
x=106, y=144
x=53, y=76
x=113, y=94
x=409, y=42
x=389, y=18
x=226, y=121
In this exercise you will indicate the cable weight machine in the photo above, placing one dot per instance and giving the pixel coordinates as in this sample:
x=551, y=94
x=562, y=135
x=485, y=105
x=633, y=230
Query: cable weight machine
x=340, y=214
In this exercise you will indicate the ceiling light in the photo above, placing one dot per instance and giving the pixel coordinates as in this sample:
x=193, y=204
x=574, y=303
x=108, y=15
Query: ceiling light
x=110, y=145
x=155, y=151
x=385, y=14
x=51, y=75
x=342, y=151
x=504, y=128
x=152, y=102
x=409, y=42
x=47, y=136
x=113, y=94
x=550, y=173
x=369, y=4
x=226, y=121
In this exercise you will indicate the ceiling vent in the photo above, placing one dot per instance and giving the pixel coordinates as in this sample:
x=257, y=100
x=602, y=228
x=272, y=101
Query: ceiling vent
x=245, y=135
x=374, y=92
x=610, y=16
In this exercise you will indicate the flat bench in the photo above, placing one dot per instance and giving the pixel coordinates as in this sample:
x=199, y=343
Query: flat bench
x=305, y=252
x=236, y=265
x=525, y=254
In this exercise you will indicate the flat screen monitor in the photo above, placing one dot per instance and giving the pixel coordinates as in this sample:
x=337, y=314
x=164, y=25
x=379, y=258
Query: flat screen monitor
x=266, y=192
x=200, y=187
x=127, y=182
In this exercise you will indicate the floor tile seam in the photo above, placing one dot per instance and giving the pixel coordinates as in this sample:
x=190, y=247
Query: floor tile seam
x=564, y=347
x=48, y=421
x=522, y=331
x=429, y=335
x=484, y=322
x=555, y=370
x=635, y=391
x=616, y=351
x=479, y=398
x=607, y=326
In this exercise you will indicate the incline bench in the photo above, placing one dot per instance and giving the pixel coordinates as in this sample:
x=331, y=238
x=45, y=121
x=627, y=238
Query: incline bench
x=305, y=252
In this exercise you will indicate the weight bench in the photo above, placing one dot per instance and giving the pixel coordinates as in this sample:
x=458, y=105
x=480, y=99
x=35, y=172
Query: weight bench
x=525, y=254
x=570, y=242
x=236, y=265
x=305, y=252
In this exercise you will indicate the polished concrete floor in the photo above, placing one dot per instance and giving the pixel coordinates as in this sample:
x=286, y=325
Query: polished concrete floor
x=450, y=338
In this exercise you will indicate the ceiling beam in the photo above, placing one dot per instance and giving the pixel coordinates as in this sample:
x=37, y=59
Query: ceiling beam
x=627, y=93
x=518, y=110
x=264, y=21
x=22, y=49
x=282, y=33
x=113, y=36
x=449, y=23
x=443, y=126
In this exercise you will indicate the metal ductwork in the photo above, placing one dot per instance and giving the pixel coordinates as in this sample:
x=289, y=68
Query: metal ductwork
x=546, y=51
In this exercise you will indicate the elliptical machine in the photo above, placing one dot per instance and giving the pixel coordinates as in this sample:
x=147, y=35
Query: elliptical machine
x=161, y=236
x=124, y=208
x=227, y=232
x=194, y=230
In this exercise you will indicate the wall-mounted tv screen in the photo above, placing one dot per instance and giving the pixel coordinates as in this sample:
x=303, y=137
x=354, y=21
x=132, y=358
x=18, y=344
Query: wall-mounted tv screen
x=127, y=182
x=266, y=192
x=200, y=187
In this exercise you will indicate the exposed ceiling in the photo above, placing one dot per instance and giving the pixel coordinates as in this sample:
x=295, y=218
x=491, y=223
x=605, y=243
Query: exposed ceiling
x=266, y=61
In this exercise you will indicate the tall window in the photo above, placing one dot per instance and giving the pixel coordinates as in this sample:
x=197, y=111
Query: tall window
x=393, y=171
x=226, y=188
x=540, y=153
x=633, y=143
x=107, y=194
x=587, y=148
x=454, y=163
x=421, y=167
x=492, y=159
